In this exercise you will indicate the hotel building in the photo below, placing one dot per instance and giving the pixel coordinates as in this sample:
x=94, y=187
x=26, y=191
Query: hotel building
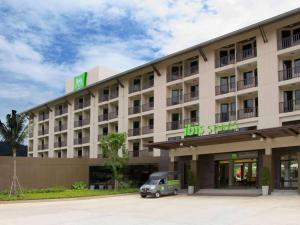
x=224, y=109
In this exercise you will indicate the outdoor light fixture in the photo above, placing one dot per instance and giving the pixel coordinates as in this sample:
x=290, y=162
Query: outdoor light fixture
x=253, y=135
x=261, y=139
x=181, y=144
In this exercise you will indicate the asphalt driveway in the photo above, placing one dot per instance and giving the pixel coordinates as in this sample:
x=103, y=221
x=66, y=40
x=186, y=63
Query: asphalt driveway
x=133, y=210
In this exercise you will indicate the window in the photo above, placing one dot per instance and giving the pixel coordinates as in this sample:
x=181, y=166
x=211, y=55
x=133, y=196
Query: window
x=136, y=149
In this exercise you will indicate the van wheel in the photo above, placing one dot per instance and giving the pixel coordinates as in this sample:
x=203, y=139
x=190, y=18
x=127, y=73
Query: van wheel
x=175, y=192
x=157, y=195
x=143, y=196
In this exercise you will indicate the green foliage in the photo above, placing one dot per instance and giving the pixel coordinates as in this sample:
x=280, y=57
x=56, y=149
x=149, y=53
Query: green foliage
x=80, y=185
x=114, y=148
x=14, y=131
x=191, y=178
x=265, y=179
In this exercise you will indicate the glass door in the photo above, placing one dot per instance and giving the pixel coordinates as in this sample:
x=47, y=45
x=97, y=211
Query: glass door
x=244, y=172
x=289, y=172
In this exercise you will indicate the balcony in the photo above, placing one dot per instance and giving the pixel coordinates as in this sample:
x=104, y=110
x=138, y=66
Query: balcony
x=225, y=117
x=247, y=113
x=30, y=134
x=43, y=147
x=289, y=73
x=60, y=128
x=191, y=120
x=60, y=144
x=80, y=123
x=225, y=60
x=147, y=129
x=103, y=117
x=148, y=106
x=174, y=76
x=114, y=94
x=43, y=132
x=246, y=54
x=134, y=88
x=103, y=98
x=191, y=71
x=134, y=110
x=134, y=132
x=175, y=125
x=61, y=111
x=43, y=117
x=289, y=106
x=289, y=41
x=80, y=141
x=148, y=84
x=140, y=153
x=112, y=115
x=81, y=105
x=247, y=83
x=175, y=100
x=225, y=88
x=100, y=136
x=188, y=97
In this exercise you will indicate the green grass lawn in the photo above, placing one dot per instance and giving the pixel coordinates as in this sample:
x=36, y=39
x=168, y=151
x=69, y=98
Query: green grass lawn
x=62, y=193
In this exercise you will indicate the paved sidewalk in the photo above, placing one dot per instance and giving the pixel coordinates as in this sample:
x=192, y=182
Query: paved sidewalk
x=172, y=210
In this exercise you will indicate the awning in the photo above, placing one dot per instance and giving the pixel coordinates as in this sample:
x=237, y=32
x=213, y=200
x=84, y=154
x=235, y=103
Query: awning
x=221, y=138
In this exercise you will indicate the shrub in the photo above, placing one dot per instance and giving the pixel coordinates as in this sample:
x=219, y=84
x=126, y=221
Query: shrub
x=265, y=179
x=80, y=185
x=45, y=190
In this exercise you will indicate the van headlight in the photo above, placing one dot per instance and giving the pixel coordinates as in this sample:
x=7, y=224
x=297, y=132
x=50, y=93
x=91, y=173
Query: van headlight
x=152, y=187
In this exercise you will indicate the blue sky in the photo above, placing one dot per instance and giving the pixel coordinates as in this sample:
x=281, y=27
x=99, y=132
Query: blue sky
x=43, y=43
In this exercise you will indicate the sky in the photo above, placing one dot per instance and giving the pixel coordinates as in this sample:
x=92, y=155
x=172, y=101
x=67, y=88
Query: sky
x=45, y=42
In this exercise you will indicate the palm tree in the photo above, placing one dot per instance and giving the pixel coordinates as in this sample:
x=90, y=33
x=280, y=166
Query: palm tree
x=14, y=132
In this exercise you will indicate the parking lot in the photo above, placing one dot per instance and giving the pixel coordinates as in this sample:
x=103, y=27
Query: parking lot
x=181, y=209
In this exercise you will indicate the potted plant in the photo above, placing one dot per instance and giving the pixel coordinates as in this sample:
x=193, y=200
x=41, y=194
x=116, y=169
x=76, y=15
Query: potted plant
x=191, y=183
x=265, y=181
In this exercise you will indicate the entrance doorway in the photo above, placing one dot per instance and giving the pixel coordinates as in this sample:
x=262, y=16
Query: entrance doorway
x=289, y=171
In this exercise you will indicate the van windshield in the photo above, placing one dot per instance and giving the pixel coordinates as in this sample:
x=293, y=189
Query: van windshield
x=152, y=182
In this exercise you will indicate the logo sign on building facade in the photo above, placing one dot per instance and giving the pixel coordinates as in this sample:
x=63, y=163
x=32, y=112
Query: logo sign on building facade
x=80, y=81
x=199, y=129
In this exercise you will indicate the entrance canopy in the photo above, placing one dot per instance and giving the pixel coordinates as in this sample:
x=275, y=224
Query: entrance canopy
x=221, y=138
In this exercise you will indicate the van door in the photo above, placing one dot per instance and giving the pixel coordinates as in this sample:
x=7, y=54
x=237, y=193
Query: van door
x=163, y=187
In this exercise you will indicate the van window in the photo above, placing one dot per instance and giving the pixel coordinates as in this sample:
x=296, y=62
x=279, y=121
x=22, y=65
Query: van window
x=162, y=181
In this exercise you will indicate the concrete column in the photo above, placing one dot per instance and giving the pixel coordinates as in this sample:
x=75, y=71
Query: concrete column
x=195, y=171
x=267, y=162
x=298, y=173
x=230, y=171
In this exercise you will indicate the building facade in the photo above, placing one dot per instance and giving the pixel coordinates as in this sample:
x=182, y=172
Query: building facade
x=250, y=77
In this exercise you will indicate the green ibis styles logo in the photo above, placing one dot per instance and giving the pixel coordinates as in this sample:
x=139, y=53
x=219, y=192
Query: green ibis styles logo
x=80, y=81
x=199, y=129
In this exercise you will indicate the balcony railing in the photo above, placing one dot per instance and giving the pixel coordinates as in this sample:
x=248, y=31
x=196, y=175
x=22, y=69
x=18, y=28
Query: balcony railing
x=59, y=112
x=174, y=76
x=289, y=41
x=147, y=129
x=43, y=147
x=60, y=144
x=225, y=60
x=246, y=54
x=148, y=84
x=134, y=88
x=43, y=117
x=30, y=134
x=175, y=125
x=113, y=115
x=134, y=110
x=225, y=117
x=289, y=73
x=30, y=148
x=148, y=106
x=103, y=117
x=191, y=120
x=140, y=153
x=100, y=136
x=247, y=113
x=114, y=94
x=103, y=97
x=60, y=128
x=80, y=123
x=134, y=132
x=247, y=83
x=43, y=132
x=175, y=100
x=225, y=88
x=188, y=97
x=80, y=141
x=191, y=71
x=81, y=105
x=289, y=106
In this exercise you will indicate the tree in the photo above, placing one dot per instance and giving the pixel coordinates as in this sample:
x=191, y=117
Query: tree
x=114, y=149
x=14, y=132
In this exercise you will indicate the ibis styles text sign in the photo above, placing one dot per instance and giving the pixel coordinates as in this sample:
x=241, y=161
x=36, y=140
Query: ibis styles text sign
x=198, y=129
x=80, y=81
